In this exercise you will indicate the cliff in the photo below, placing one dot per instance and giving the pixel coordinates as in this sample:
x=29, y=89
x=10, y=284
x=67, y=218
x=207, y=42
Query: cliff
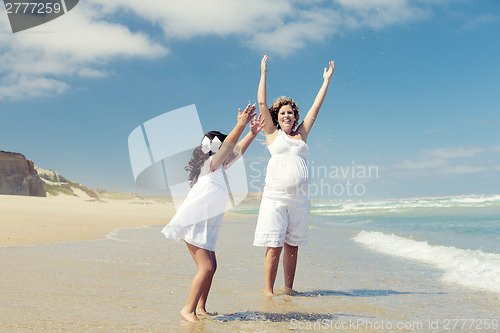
x=50, y=175
x=56, y=184
x=18, y=176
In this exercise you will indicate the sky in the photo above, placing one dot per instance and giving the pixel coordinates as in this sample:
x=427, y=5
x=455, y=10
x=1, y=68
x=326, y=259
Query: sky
x=413, y=107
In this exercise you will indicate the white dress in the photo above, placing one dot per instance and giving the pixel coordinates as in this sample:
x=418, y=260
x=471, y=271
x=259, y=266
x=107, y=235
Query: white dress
x=284, y=212
x=199, y=217
x=287, y=170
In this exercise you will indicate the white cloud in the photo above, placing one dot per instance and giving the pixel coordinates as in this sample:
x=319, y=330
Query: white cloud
x=193, y=18
x=92, y=73
x=288, y=37
x=476, y=22
x=36, y=62
x=451, y=152
x=451, y=161
x=95, y=33
x=29, y=86
x=422, y=164
x=380, y=13
x=276, y=26
x=463, y=169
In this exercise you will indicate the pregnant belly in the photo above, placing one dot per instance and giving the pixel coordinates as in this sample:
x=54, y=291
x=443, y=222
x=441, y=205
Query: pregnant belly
x=287, y=174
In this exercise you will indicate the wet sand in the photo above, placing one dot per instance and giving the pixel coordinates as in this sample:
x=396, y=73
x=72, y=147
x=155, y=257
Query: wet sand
x=81, y=266
x=135, y=280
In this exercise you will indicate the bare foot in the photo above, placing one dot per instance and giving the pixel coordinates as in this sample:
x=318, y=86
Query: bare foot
x=203, y=312
x=288, y=291
x=189, y=316
x=268, y=293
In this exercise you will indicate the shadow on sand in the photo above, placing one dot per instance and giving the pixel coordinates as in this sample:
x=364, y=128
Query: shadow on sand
x=310, y=317
x=352, y=293
x=273, y=317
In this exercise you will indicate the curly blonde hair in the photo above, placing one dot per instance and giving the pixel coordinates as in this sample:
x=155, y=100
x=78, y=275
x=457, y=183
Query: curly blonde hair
x=275, y=108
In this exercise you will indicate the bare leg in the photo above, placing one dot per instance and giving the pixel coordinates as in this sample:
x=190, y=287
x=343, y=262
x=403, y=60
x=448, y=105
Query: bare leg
x=200, y=308
x=271, y=267
x=203, y=260
x=289, y=265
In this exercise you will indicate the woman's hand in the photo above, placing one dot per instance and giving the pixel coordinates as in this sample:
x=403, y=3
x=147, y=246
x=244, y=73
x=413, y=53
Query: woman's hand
x=263, y=65
x=244, y=117
x=327, y=74
x=257, y=124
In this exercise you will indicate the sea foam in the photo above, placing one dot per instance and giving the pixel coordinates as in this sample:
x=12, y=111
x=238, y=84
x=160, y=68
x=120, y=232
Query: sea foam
x=470, y=268
x=401, y=205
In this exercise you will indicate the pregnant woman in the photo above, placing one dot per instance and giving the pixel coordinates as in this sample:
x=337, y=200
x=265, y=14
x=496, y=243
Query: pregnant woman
x=284, y=211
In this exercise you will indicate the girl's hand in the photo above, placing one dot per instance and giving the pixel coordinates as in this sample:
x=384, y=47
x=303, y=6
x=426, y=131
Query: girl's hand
x=263, y=65
x=257, y=124
x=327, y=74
x=246, y=116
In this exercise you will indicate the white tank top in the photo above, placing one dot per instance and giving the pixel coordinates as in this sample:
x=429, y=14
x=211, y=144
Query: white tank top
x=287, y=170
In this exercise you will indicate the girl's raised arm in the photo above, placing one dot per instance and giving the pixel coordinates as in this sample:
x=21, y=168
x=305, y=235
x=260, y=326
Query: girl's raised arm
x=256, y=125
x=269, y=127
x=310, y=118
x=244, y=117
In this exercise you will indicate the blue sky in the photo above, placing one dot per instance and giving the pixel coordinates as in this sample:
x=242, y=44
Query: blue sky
x=415, y=92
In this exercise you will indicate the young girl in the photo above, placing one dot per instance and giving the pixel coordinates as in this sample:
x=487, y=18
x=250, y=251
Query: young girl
x=283, y=220
x=198, y=219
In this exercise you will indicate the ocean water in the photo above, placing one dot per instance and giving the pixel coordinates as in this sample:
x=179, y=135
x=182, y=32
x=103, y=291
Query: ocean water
x=422, y=265
x=459, y=235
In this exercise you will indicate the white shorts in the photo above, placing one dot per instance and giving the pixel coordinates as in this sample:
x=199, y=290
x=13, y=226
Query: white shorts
x=283, y=220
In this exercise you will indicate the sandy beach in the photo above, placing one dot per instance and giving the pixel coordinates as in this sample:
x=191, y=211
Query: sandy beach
x=82, y=266
x=28, y=220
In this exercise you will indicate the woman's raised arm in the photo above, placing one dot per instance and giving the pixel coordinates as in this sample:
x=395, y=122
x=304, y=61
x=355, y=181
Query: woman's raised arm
x=310, y=118
x=269, y=126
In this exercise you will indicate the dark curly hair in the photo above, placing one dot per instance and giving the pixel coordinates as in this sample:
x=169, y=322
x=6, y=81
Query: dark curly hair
x=199, y=158
x=275, y=108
